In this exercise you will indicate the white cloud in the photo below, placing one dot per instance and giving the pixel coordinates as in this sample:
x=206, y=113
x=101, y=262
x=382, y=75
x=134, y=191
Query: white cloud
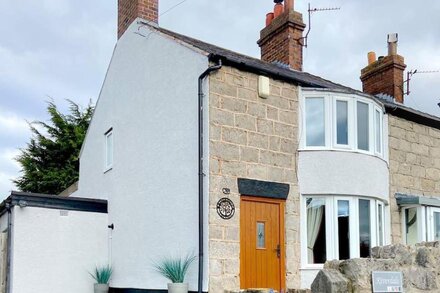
x=13, y=124
x=9, y=171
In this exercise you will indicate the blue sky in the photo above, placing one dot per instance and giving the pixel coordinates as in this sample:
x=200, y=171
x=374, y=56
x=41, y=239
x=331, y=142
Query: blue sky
x=60, y=49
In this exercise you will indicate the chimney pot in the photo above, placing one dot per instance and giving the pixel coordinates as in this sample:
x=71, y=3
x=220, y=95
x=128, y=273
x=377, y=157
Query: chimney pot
x=392, y=44
x=371, y=58
x=288, y=5
x=269, y=18
x=278, y=10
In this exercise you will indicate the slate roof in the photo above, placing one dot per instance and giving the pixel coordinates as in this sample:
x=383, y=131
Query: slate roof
x=303, y=79
x=257, y=65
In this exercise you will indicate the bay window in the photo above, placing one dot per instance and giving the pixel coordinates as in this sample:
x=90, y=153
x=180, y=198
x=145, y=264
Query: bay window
x=341, y=227
x=342, y=122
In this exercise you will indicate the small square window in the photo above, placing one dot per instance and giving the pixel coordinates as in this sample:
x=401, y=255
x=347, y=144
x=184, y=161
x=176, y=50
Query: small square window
x=108, y=149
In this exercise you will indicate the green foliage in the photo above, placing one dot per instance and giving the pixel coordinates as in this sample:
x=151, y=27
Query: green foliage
x=174, y=269
x=50, y=162
x=102, y=274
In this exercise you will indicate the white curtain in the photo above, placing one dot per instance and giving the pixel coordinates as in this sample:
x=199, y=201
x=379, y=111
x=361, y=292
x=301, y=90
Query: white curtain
x=314, y=218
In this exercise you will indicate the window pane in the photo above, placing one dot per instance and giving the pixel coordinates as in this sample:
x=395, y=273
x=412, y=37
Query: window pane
x=380, y=223
x=364, y=228
x=378, y=133
x=316, y=239
x=362, y=126
x=436, y=226
x=261, y=235
x=109, y=149
x=411, y=226
x=344, y=229
x=315, y=122
x=342, y=122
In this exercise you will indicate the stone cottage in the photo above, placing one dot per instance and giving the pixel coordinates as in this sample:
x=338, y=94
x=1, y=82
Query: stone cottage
x=263, y=170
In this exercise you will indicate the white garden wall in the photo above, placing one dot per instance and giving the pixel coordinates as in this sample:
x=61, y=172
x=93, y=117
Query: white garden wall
x=54, y=250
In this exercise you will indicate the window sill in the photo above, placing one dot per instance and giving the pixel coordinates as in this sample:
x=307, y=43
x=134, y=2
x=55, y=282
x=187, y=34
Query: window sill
x=312, y=267
x=325, y=149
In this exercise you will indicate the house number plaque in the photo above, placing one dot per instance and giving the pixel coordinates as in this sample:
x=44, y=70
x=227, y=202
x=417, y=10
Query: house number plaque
x=225, y=208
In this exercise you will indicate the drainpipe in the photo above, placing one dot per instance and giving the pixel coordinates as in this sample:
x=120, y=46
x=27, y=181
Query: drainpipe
x=9, y=250
x=201, y=173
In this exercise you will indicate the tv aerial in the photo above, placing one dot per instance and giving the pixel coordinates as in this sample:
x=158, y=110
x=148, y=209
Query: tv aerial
x=312, y=10
x=411, y=73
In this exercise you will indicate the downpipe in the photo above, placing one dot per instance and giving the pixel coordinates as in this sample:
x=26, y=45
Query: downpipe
x=9, y=249
x=201, y=173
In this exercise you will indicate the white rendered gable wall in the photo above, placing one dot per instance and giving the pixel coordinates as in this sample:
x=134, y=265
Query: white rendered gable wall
x=149, y=98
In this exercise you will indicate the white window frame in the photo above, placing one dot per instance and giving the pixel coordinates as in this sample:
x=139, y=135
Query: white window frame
x=430, y=222
x=331, y=123
x=377, y=110
x=328, y=234
x=331, y=228
x=370, y=128
x=326, y=122
x=351, y=222
x=350, y=116
x=421, y=223
x=108, y=135
x=380, y=204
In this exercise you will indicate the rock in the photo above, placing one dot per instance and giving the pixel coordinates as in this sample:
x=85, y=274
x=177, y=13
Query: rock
x=391, y=251
x=332, y=264
x=331, y=281
x=422, y=257
x=422, y=279
x=420, y=265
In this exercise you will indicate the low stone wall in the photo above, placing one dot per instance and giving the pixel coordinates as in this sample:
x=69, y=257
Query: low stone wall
x=420, y=265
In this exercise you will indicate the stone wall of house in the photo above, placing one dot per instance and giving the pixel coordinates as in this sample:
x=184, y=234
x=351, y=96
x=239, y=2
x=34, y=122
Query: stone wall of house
x=414, y=164
x=250, y=138
x=419, y=265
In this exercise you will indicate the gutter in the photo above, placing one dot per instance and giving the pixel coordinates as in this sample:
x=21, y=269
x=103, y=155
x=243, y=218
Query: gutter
x=201, y=173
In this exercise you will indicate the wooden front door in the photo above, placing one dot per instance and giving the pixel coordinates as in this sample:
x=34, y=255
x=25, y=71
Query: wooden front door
x=262, y=257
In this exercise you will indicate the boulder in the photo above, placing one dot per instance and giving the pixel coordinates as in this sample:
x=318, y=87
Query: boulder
x=331, y=281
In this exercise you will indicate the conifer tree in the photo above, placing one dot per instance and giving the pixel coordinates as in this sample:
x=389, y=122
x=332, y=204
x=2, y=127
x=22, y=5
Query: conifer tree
x=50, y=162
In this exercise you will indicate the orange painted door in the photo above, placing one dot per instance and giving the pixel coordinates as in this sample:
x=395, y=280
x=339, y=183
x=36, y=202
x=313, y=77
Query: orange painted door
x=262, y=243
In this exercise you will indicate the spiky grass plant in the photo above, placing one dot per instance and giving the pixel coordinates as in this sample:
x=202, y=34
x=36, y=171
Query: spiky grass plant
x=175, y=269
x=102, y=274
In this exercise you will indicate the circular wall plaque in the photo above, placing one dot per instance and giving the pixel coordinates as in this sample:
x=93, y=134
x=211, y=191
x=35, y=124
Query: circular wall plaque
x=225, y=208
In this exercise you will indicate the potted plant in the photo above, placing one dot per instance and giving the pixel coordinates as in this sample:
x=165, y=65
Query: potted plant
x=102, y=277
x=175, y=269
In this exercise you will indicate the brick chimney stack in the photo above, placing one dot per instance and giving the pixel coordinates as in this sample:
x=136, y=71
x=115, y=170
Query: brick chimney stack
x=129, y=10
x=281, y=39
x=385, y=75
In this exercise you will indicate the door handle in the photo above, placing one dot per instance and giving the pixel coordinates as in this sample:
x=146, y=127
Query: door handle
x=278, y=250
